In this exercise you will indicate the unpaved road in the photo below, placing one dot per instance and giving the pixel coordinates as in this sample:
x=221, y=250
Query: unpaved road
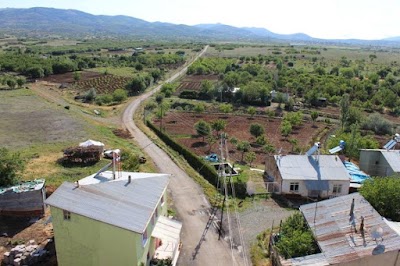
x=188, y=198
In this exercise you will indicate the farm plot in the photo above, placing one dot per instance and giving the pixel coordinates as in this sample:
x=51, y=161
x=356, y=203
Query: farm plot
x=181, y=127
x=69, y=77
x=103, y=84
x=193, y=82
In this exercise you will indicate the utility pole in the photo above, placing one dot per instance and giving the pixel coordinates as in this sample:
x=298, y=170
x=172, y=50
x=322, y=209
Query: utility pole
x=161, y=115
x=222, y=175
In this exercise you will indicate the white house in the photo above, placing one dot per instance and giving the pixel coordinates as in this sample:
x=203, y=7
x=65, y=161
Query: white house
x=309, y=176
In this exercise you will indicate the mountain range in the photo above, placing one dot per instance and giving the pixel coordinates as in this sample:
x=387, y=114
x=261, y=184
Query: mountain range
x=45, y=22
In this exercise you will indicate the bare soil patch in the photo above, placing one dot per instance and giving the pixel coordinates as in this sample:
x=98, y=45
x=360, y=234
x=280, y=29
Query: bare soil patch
x=19, y=230
x=180, y=125
x=69, y=77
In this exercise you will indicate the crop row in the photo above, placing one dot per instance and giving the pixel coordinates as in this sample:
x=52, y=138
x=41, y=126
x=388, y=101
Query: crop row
x=103, y=85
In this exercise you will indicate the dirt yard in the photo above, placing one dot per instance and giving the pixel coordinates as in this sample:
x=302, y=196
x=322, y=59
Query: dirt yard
x=181, y=126
x=20, y=230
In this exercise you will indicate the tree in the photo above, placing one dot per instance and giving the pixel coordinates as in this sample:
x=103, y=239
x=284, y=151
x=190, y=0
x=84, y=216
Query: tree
x=199, y=108
x=294, y=143
x=21, y=81
x=218, y=125
x=90, y=95
x=243, y=146
x=383, y=194
x=250, y=157
x=136, y=85
x=286, y=128
x=296, y=238
x=256, y=130
x=314, y=116
x=226, y=108
x=130, y=161
x=344, y=109
x=251, y=111
x=203, y=128
x=120, y=95
x=11, y=165
x=268, y=149
x=11, y=83
x=77, y=76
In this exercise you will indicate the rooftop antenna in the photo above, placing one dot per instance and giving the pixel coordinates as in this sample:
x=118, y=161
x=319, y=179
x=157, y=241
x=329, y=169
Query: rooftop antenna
x=392, y=143
x=342, y=143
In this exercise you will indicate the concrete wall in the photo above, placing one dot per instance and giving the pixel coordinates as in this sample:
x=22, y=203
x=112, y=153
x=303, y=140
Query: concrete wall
x=391, y=258
x=24, y=203
x=84, y=241
x=325, y=194
x=374, y=163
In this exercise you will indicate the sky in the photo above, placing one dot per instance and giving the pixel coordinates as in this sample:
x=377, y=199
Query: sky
x=328, y=19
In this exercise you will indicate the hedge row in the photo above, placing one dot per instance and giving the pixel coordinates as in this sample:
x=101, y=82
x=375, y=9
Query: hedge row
x=201, y=166
x=208, y=172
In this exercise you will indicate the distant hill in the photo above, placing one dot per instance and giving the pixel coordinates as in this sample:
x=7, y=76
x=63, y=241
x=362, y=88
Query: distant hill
x=42, y=22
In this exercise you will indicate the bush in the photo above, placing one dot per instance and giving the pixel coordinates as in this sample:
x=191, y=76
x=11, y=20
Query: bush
x=11, y=165
x=104, y=99
x=378, y=124
x=188, y=94
x=119, y=95
x=130, y=161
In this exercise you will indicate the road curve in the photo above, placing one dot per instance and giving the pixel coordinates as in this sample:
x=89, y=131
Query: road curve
x=187, y=195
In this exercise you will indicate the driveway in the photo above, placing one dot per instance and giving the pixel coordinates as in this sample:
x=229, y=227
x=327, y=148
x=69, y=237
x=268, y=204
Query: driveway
x=189, y=200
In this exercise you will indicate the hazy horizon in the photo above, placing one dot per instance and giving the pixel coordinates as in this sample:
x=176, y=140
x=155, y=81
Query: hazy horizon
x=335, y=19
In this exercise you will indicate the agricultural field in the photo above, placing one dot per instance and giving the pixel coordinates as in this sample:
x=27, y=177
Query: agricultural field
x=27, y=119
x=193, y=82
x=69, y=77
x=180, y=125
x=104, y=84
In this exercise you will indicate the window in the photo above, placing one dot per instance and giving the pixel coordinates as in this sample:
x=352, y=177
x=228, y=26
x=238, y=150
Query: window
x=337, y=189
x=144, y=238
x=67, y=215
x=294, y=187
x=153, y=219
x=162, y=200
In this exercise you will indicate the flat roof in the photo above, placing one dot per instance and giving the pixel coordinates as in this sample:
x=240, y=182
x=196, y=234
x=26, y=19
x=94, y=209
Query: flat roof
x=314, y=168
x=128, y=205
x=334, y=231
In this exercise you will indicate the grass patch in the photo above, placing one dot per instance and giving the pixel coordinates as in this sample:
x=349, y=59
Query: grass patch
x=259, y=250
x=120, y=71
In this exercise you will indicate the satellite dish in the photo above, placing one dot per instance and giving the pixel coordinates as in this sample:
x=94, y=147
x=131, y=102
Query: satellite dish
x=377, y=232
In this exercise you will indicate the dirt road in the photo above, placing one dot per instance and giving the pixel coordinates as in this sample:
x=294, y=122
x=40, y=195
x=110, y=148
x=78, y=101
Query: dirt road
x=188, y=197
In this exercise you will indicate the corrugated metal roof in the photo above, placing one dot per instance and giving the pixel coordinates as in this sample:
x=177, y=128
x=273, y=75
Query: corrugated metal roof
x=117, y=202
x=310, y=260
x=393, y=159
x=303, y=167
x=108, y=176
x=334, y=230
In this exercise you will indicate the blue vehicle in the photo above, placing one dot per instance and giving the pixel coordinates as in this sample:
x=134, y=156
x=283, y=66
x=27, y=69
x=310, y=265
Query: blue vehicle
x=212, y=158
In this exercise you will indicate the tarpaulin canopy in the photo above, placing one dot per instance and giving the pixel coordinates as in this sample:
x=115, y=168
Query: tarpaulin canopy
x=90, y=142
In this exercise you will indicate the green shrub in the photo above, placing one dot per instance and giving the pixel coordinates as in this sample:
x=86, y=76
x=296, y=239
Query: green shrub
x=120, y=95
x=378, y=124
x=188, y=94
x=104, y=99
